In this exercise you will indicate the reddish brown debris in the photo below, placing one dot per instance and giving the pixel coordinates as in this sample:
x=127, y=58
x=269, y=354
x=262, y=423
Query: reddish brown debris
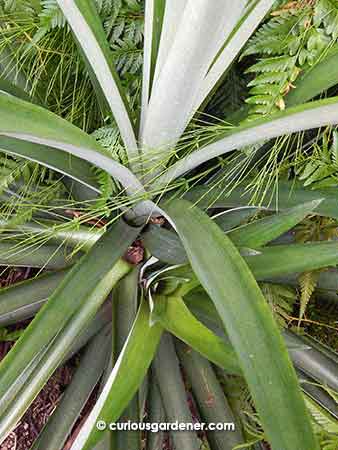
x=135, y=253
x=83, y=416
x=37, y=415
x=157, y=220
x=10, y=276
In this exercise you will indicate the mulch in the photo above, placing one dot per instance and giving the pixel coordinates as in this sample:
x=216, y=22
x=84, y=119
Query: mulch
x=25, y=433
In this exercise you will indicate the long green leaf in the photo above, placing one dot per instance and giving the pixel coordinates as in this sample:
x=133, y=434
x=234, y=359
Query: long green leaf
x=169, y=378
x=269, y=262
x=29, y=383
x=280, y=260
x=307, y=354
x=126, y=304
x=60, y=424
x=47, y=256
x=102, y=318
x=190, y=56
x=125, y=379
x=210, y=397
x=85, y=22
x=10, y=88
x=299, y=118
x=317, y=362
x=285, y=195
x=248, y=320
x=164, y=245
x=30, y=123
x=173, y=13
x=176, y=318
x=260, y=232
x=22, y=300
x=227, y=220
x=79, y=236
x=76, y=168
x=79, y=285
x=154, y=14
x=257, y=10
x=156, y=415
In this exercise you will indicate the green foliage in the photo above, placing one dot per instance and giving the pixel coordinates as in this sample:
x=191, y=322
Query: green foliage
x=230, y=95
x=326, y=13
x=45, y=49
x=110, y=139
x=319, y=168
x=7, y=335
x=10, y=170
x=123, y=22
x=34, y=187
x=46, y=52
x=20, y=6
x=307, y=283
x=281, y=300
x=292, y=41
x=50, y=17
x=326, y=425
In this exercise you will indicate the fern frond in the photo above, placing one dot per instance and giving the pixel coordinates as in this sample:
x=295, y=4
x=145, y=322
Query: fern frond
x=109, y=137
x=127, y=56
x=279, y=36
x=326, y=13
x=108, y=189
x=281, y=300
x=321, y=418
x=51, y=15
x=319, y=169
x=290, y=42
x=307, y=283
x=20, y=6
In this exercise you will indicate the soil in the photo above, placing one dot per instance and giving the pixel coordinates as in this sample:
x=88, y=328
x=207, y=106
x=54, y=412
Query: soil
x=37, y=415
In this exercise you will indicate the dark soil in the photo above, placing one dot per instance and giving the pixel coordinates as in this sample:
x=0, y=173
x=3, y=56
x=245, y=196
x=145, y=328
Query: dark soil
x=37, y=415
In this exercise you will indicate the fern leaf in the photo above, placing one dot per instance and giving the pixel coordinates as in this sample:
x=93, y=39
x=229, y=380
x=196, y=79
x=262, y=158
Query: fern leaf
x=326, y=12
x=290, y=42
x=51, y=16
x=281, y=300
x=307, y=282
